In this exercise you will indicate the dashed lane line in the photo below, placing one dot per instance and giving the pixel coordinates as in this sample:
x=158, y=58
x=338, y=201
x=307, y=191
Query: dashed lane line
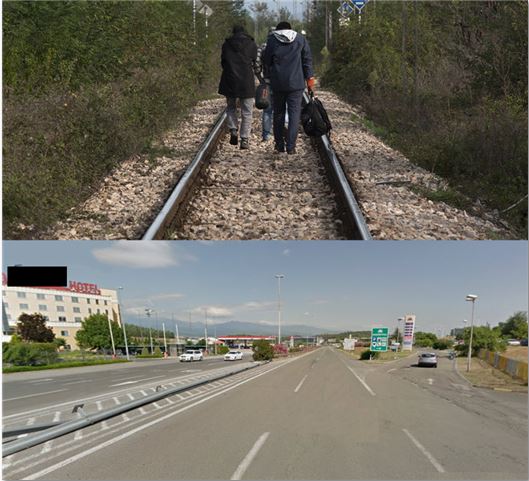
x=33, y=395
x=423, y=450
x=300, y=383
x=245, y=463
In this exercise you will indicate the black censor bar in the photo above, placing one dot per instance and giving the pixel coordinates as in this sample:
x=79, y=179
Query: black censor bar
x=37, y=276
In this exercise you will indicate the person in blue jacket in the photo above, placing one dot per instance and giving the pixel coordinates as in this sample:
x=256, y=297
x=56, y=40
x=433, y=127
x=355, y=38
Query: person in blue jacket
x=287, y=64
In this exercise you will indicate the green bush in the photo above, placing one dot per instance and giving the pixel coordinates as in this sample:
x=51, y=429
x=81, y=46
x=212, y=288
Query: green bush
x=145, y=351
x=443, y=344
x=222, y=349
x=30, y=354
x=367, y=355
x=157, y=352
x=263, y=351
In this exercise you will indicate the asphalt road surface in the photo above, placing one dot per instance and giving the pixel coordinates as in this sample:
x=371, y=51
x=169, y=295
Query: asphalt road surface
x=318, y=416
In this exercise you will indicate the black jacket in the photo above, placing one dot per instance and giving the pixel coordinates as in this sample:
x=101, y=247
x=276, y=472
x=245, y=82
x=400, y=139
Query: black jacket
x=287, y=61
x=239, y=53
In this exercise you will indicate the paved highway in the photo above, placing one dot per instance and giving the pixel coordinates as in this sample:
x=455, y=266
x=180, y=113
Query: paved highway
x=318, y=416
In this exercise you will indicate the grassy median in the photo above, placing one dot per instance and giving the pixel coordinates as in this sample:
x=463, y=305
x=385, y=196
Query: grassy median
x=61, y=365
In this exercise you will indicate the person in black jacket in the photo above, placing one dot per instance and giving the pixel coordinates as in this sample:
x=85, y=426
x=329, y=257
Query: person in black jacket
x=287, y=63
x=239, y=53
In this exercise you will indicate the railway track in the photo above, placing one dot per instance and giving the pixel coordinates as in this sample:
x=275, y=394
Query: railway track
x=228, y=194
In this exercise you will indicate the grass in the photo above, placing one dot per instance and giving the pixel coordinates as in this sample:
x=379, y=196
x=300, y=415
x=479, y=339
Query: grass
x=61, y=365
x=483, y=374
x=448, y=196
x=382, y=356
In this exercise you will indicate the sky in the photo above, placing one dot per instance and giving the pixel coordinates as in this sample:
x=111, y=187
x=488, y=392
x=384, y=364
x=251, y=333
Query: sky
x=332, y=285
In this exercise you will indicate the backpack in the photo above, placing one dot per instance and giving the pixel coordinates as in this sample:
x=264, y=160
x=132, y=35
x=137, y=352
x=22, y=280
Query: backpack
x=314, y=118
x=262, y=96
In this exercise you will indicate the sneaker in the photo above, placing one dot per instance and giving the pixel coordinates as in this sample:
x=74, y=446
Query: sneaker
x=291, y=151
x=233, y=137
x=244, y=144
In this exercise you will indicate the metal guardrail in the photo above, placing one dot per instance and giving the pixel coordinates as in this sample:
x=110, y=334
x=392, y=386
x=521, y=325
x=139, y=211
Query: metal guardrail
x=180, y=193
x=85, y=421
x=355, y=222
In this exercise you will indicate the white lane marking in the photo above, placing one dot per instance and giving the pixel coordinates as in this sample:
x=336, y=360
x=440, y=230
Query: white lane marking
x=116, y=400
x=170, y=401
x=40, y=380
x=361, y=381
x=77, y=382
x=78, y=435
x=57, y=416
x=423, y=450
x=241, y=469
x=131, y=432
x=394, y=369
x=131, y=397
x=143, y=392
x=104, y=425
x=142, y=411
x=33, y=395
x=300, y=384
x=156, y=405
x=134, y=382
x=99, y=405
x=125, y=417
x=31, y=421
x=430, y=381
x=46, y=448
x=179, y=396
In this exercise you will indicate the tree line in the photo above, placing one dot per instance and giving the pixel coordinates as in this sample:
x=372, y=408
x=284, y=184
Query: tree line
x=446, y=83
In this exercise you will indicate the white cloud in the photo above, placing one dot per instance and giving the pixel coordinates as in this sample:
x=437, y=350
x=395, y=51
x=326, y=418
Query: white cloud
x=213, y=311
x=255, y=306
x=140, y=254
x=165, y=297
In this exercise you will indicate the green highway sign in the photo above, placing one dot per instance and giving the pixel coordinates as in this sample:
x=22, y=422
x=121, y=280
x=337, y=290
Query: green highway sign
x=379, y=338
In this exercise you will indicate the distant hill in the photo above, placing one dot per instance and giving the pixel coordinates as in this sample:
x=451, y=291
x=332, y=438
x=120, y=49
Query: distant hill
x=232, y=328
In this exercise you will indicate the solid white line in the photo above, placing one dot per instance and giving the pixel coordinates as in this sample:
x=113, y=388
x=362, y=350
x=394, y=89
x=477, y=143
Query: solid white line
x=33, y=395
x=40, y=380
x=361, y=381
x=131, y=432
x=134, y=382
x=241, y=469
x=77, y=382
x=425, y=452
x=300, y=384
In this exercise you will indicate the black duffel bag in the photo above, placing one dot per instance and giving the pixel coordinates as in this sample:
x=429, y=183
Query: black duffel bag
x=314, y=118
x=262, y=96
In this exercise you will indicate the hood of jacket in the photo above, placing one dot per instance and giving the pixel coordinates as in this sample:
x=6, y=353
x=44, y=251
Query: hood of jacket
x=285, y=36
x=238, y=41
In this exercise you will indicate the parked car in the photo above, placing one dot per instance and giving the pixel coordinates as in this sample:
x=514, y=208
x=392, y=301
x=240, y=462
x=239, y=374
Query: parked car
x=523, y=342
x=427, y=359
x=513, y=342
x=191, y=355
x=233, y=356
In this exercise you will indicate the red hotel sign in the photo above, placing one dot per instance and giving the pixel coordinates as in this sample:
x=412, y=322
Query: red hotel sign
x=84, y=288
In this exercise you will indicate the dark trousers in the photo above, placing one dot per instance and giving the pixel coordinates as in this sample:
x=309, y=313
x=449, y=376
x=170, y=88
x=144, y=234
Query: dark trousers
x=292, y=101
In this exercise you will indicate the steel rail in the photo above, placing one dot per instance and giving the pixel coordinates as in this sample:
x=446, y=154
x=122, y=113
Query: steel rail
x=180, y=193
x=85, y=421
x=355, y=224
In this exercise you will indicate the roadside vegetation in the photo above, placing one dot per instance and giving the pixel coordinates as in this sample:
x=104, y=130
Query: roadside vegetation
x=89, y=84
x=446, y=84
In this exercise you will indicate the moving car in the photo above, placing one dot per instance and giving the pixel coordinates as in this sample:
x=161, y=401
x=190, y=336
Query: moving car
x=427, y=359
x=233, y=356
x=513, y=342
x=191, y=355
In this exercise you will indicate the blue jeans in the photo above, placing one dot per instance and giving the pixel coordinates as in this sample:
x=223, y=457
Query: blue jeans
x=282, y=102
x=267, y=118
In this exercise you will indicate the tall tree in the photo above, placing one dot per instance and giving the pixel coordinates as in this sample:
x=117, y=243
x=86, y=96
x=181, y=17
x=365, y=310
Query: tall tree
x=32, y=328
x=95, y=333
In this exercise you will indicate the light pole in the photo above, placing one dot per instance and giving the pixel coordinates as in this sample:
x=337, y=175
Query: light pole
x=164, y=339
x=471, y=298
x=149, y=312
x=111, y=337
x=398, y=322
x=279, y=277
x=206, y=332
x=124, y=330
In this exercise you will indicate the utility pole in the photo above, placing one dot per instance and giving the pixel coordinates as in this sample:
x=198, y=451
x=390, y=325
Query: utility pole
x=279, y=277
x=206, y=332
x=164, y=339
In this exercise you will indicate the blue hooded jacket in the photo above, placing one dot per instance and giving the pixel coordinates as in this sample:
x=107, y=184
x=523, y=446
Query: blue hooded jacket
x=287, y=61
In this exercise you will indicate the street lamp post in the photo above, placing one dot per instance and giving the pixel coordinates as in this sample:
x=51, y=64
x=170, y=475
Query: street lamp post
x=206, y=332
x=124, y=330
x=111, y=337
x=149, y=312
x=471, y=298
x=279, y=277
x=164, y=338
x=398, y=322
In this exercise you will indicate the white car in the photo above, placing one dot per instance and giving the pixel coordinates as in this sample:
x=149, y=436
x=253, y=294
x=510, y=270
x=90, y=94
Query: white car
x=513, y=342
x=191, y=355
x=233, y=356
